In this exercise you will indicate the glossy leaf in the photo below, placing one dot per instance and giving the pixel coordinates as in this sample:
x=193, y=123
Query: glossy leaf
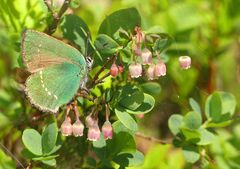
x=145, y=107
x=131, y=97
x=105, y=45
x=162, y=43
x=126, y=19
x=76, y=30
x=151, y=88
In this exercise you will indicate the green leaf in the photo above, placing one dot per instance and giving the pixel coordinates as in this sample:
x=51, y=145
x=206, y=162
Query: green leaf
x=108, y=94
x=195, y=106
x=119, y=127
x=126, y=119
x=76, y=30
x=6, y=162
x=122, y=141
x=45, y=158
x=131, y=97
x=192, y=120
x=162, y=43
x=151, y=88
x=191, y=153
x=105, y=45
x=27, y=154
x=127, y=19
x=49, y=137
x=206, y=138
x=191, y=135
x=32, y=141
x=51, y=162
x=146, y=106
x=219, y=124
x=228, y=103
x=129, y=159
x=74, y=3
x=213, y=107
x=174, y=122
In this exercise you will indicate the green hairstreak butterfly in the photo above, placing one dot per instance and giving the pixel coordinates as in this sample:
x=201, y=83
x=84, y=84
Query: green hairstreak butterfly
x=57, y=70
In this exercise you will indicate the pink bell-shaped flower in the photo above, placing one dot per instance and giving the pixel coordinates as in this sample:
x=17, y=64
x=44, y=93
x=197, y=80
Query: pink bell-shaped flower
x=90, y=120
x=146, y=56
x=114, y=70
x=160, y=69
x=151, y=72
x=185, y=62
x=137, y=50
x=94, y=133
x=135, y=70
x=66, y=127
x=77, y=128
x=107, y=130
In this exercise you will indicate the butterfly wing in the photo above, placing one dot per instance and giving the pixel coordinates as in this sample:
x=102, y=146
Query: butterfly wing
x=50, y=88
x=57, y=70
x=40, y=50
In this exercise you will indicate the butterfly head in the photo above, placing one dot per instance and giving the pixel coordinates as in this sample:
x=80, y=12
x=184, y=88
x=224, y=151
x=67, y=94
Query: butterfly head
x=89, y=61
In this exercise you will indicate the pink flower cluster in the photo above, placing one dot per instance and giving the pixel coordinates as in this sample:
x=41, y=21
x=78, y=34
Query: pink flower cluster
x=116, y=69
x=76, y=129
x=153, y=71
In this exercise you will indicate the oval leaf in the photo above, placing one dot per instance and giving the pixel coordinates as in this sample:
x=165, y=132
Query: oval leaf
x=126, y=19
x=49, y=137
x=191, y=153
x=146, y=106
x=32, y=141
x=129, y=159
x=192, y=120
x=126, y=119
x=174, y=122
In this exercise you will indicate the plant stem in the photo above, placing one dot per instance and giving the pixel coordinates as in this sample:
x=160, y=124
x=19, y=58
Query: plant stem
x=95, y=79
x=153, y=139
x=56, y=16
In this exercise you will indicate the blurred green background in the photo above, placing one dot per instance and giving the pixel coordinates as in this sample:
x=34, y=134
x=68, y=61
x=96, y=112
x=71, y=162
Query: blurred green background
x=206, y=30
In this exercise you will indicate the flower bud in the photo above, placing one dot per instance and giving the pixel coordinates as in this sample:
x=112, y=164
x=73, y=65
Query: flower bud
x=160, y=69
x=94, y=133
x=135, y=70
x=140, y=116
x=107, y=130
x=146, y=56
x=185, y=62
x=114, y=70
x=120, y=68
x=77, y=128
x=151, y=72
x=66, y=127
x=90, y=121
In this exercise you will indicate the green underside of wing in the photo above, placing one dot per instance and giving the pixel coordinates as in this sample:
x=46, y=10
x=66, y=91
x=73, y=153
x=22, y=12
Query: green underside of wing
x=40, y=50
x=50, y=88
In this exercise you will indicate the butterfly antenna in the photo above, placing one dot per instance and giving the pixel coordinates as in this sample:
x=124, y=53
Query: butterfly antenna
x=11, y=154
